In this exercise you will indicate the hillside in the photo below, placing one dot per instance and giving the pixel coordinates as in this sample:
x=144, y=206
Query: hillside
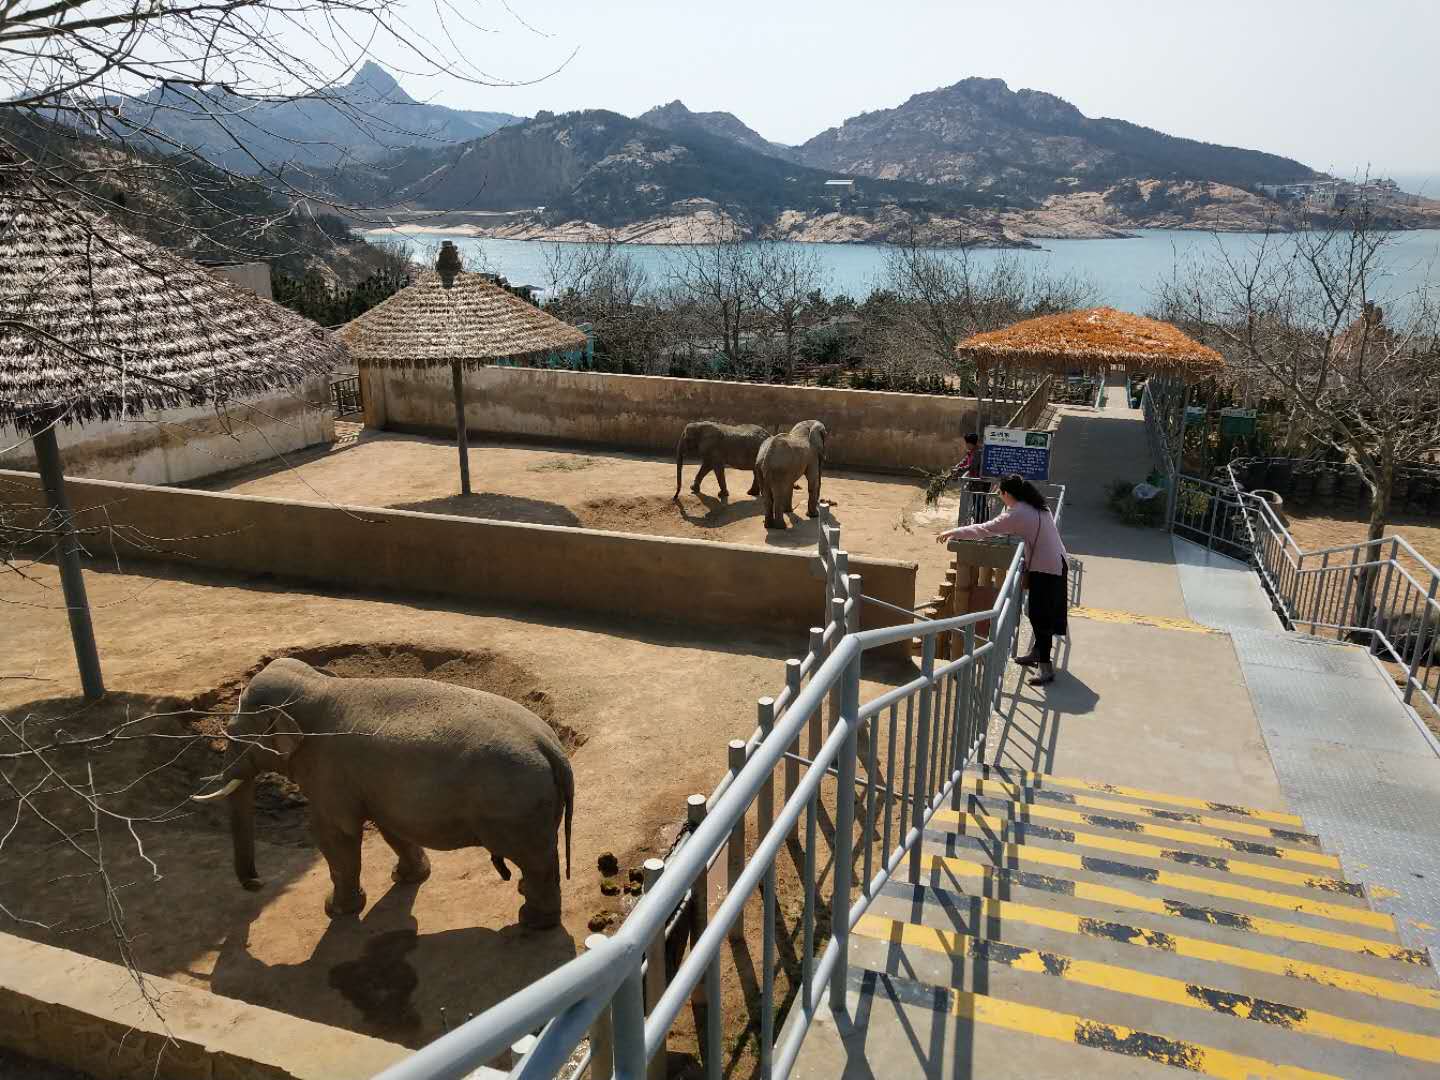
x=980, y=133
x=369, y=117
x=677, y=118
x=598, y=170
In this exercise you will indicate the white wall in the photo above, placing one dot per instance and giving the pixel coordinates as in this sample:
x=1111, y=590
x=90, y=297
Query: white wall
x=175, y=445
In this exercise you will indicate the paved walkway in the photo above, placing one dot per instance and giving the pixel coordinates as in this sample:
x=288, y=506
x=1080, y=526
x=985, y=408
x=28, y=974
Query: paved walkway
x=1211, y=844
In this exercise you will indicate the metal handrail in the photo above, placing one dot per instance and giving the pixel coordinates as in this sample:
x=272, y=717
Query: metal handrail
x=947, y=709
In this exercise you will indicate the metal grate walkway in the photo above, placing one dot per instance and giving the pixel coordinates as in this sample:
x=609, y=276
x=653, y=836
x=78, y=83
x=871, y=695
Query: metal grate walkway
x=1352, y=760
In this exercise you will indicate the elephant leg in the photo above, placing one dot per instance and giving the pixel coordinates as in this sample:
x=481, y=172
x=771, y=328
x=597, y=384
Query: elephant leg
x=787, y=499
x=773, y=520
x=341, y=848
x=812, y=478
x=720, y=475
x=413, y=866
x=540, y=886
x=755, y=487
x=704, y=469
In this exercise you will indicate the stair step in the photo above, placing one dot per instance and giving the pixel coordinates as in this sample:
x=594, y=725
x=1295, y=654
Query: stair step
x=1109, y=812
x=1039, y=780
x=1190, y=885
x=994, y=833
x=1116, y=1002
x=979, y=877
x=1140, y=940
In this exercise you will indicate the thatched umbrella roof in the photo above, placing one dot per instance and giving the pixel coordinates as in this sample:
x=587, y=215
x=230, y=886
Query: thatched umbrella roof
x=471, y=321
x=1093, y=338
x=96, y=323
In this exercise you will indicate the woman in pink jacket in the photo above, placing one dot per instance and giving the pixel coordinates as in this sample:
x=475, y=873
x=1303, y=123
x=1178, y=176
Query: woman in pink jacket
x=1027, y=516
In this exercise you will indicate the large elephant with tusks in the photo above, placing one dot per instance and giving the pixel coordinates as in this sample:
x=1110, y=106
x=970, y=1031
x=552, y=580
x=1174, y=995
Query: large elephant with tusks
x=719, y=447
x=431, y=764
x=782, y=460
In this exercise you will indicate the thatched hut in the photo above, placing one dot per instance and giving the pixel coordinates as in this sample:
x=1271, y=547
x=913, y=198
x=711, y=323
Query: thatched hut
x=96, y=323
x=452, y=319
x=1093, y=339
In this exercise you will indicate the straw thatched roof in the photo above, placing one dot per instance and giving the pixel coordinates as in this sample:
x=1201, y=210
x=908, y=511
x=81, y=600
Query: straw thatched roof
x=1094, y=338
x=98, y=323
x=471, y=321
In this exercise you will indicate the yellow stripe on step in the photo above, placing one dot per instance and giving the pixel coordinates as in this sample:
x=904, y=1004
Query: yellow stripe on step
x=964, y=823
x=1063, y=1027
x=1119, y=898
x=1021, y=855
x=1160, y=988
x=1049, y=780
x=1024, y=812
x=1134, y=619
x=1000, y=912
x=1245, y=828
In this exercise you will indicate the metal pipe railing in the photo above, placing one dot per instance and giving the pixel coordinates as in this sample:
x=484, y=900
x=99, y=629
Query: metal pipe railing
x=953, y=702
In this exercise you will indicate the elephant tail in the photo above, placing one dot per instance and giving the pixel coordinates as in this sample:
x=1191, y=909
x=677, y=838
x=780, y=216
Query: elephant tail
x=680, y=461
x=565, y=784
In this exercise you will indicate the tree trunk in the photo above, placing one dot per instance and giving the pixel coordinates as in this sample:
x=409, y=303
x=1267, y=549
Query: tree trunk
x=1380, y=485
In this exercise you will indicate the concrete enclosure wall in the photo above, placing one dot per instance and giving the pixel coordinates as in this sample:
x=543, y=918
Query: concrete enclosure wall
x=176, y=445
x=869, y=429
x=693, y=581
x=87, y=1014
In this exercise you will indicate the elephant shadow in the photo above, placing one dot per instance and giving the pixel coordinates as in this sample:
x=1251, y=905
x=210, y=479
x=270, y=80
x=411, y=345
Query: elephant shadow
x=380, y=976
x=802, y=532
x=721, y=512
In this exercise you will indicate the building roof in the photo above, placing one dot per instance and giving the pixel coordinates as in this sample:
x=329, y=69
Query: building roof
x=97, y=323
x=471, y=321
x=1093, y=338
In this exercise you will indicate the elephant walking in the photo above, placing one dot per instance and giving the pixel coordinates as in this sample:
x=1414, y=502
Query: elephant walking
x=432, y=765
x=719, y=446
x=782, y=460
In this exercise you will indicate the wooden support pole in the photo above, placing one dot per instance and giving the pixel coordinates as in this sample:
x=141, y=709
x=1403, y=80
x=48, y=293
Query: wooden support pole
x=462, y=437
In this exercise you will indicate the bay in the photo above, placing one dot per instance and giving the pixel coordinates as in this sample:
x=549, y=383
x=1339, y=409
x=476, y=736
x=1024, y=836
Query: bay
x=1122, y=273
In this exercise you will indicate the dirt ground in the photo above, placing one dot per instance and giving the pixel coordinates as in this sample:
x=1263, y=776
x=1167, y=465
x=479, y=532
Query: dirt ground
x=884, y=516
x=645, y=709
x=1316, y=531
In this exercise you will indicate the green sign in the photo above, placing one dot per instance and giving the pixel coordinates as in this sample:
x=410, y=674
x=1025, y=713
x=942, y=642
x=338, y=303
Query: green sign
x=1194, y=414
x=1237, y=421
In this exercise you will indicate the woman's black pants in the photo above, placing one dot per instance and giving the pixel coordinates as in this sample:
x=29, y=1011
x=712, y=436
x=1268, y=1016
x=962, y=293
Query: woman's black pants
x=1048, y=611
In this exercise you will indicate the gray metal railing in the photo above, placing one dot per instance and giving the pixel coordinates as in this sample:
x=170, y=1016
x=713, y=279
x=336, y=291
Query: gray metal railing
x=976, y=506
x=912, y=742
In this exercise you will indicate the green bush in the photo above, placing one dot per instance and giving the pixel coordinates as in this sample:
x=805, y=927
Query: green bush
x=1143, y=513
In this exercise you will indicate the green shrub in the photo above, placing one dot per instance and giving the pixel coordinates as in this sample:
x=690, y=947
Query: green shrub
x=1143, y=513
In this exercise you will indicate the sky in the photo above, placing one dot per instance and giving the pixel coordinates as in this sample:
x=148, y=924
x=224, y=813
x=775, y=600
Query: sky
x=1340, y=85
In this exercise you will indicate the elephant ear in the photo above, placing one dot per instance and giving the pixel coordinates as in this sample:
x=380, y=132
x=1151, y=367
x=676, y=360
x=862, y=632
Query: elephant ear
x=282, y=735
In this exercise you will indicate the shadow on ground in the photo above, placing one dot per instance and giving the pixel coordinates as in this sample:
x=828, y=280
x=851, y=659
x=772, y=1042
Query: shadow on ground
x=495, y=508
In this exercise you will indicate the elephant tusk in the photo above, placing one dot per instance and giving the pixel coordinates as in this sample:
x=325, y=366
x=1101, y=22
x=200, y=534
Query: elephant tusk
x=224, y=792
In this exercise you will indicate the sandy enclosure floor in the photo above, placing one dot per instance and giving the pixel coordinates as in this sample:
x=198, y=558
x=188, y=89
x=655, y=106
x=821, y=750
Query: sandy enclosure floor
x=647, y=710
x=1317, y=531
x=884, y=516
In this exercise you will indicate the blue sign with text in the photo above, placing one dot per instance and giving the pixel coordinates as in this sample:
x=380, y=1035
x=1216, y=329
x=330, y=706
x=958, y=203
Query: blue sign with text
x=1015, y=451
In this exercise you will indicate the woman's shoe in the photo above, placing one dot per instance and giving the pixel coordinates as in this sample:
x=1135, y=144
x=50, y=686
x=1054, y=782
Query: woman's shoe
x=1045, y=675
x=1028, y=660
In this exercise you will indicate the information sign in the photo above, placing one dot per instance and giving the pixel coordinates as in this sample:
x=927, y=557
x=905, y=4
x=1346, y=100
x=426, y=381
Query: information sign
x=1010, y=451
x=1237, y=421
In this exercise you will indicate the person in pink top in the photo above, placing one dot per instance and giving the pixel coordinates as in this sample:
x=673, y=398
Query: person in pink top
x=1028, y=516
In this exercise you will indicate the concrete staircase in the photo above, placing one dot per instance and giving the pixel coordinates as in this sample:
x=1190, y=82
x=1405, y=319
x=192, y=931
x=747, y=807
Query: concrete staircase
x=1063, y=928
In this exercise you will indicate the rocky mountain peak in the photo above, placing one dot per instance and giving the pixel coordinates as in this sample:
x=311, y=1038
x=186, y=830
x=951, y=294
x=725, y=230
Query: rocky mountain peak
x=375, y=82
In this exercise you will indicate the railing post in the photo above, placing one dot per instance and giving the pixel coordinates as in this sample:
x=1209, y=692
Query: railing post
x=602, y=1032
x=844, y=847
x=735, y=850
x=628, y=1013
x=765, y=799
x=817, y=650
x=920, y=790
x=700, y=891
x=974, y=717
x=1422, y=641
x=837, y=616
x=792, y=767
x=655, y=972
x=1315, y=604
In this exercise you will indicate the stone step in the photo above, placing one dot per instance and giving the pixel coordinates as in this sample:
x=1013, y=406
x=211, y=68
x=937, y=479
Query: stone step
x=1238, y=964
x=997, y=834
x=1187, y=885
x=1189, y=1025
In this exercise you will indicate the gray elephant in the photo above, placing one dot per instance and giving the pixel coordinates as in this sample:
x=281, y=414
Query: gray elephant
x=432, y=765
x=719, y=447
x=782, y=460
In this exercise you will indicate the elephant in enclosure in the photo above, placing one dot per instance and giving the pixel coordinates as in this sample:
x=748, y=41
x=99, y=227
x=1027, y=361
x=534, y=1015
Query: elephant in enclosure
x=431, y=764
x=719, y=446
x=782, y=461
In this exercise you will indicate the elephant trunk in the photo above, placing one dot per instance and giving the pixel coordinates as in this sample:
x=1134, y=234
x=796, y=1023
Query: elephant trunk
x=242, y=833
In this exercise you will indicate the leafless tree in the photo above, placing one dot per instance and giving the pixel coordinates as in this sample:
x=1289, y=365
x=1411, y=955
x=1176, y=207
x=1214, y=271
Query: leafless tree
x=1307, y=316
x=714, y=285
x=602, y=284
x=783, y=278
x=942, y=296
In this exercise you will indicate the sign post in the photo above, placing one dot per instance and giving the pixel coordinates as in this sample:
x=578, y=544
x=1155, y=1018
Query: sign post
x=1018, y=451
